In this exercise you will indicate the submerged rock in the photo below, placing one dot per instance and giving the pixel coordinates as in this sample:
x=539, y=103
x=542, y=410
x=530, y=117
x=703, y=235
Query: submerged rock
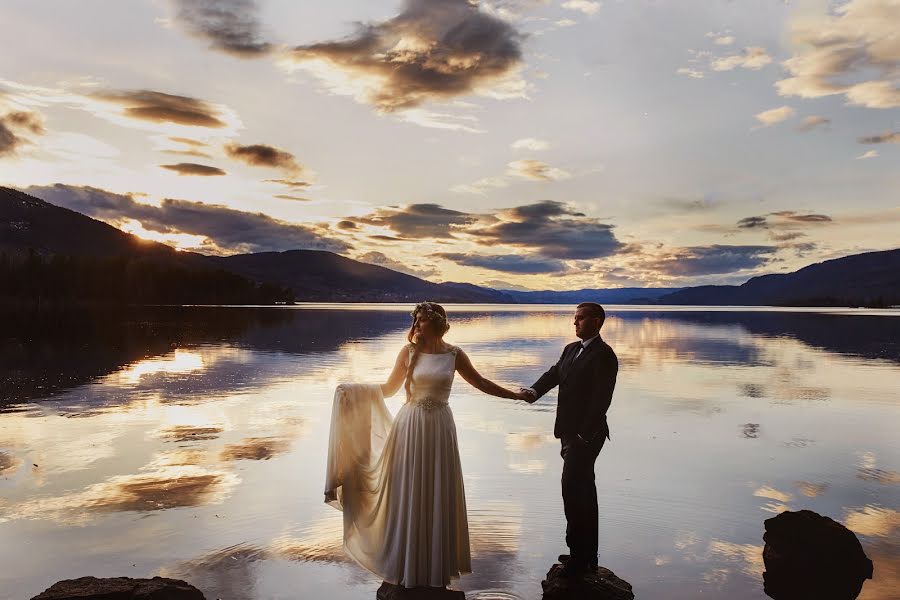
x=390, y=591
x=808, y=555
x=120, y=588
x=601, y=584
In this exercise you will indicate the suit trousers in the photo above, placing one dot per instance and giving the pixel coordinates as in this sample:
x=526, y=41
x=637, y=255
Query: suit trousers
x=579, y=492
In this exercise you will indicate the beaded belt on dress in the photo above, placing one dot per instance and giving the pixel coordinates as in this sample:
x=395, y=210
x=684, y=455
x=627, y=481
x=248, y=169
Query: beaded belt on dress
x=430, y=403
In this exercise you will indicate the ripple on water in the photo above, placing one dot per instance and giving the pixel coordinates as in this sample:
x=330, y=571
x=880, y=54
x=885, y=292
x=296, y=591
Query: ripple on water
x=492, y=595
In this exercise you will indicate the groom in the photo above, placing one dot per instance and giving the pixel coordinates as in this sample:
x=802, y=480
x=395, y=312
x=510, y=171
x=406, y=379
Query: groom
x=586, y=376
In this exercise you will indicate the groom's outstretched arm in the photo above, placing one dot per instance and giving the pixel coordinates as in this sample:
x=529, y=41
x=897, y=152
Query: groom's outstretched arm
x=549, y=380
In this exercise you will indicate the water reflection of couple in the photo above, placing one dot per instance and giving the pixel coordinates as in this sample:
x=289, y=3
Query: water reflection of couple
x=398, y=480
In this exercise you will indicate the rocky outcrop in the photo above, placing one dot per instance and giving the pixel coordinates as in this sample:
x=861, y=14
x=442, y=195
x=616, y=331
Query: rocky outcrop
x=808, y=555
x=601, y=584
x=120, y=588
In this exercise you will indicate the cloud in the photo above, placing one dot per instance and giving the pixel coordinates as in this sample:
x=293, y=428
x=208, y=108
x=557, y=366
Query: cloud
x=143, y=109
x=194, y=169
x=752, y=222
x=868, y=154
x=892, y=137
x=813, y=121
x=231, y=25
x=532, y=169
x=291, y=183
x=481, y=186
x=536, y=170
x=346, y=225
x=711, y=260
x=693, y=73
x=508, y=263
x=380, y=259
x=552, y=229
x=783, y=219
x=588, y=7
x=290, y=197
x=690, y=205
x=195, y=153
x=775, y=115
x=530, y=144
x=419, y=220
x=432, y=50
x=262, y=155
x=159, y=107
x=18, y=121
x=226, y=230
x=188, y=141
x=753, y=57
x=852, y=51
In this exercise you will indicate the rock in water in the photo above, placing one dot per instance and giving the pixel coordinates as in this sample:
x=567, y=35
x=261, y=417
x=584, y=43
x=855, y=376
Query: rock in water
x=601, y=584
x=120, y=588
x=808, y=555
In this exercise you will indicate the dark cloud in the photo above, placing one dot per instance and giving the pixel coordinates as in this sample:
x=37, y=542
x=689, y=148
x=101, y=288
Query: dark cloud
x=553, y=230
x=753, y=222
x=194, y=169
x=783, y=218
x=419, y=220
x=799, y=218
x=196, y=153
x=711, y=260
x=30, y=121
x=262, y=155
x=386, y=238
x=346, y=225
x=294, y=198
x=158, y=107
x=188, y=141
x=291, y=183
x=433, y=49
x=10, y=141
x=507, y=263
x=226, y=230
x=231, y=25
x=884, y=138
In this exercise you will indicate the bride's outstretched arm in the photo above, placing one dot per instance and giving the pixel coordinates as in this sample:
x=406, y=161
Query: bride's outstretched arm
x=398, y=375
x=468, y=372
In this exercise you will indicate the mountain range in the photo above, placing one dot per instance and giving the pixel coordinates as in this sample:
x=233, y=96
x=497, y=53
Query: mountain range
x=44, y=234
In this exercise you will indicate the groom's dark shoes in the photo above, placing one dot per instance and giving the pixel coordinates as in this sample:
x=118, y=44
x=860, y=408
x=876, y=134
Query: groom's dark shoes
x=564, y=558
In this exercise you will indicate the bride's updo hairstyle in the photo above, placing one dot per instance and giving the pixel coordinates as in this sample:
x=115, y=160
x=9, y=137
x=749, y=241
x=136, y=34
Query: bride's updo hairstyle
x=430, y=311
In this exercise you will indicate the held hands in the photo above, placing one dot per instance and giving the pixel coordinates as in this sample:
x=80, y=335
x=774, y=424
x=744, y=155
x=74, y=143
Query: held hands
x=526, y=394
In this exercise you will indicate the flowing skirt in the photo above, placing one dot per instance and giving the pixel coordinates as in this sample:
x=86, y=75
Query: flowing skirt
x=399, y=484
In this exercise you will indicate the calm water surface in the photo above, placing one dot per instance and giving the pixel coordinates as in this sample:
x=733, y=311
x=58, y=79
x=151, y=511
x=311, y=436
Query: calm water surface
x=190, y=443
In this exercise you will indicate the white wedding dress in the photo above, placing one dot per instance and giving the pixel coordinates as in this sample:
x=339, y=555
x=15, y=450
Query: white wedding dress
x=398, y=480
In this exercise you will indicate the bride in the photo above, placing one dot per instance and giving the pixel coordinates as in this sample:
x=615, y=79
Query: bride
x=398, y=480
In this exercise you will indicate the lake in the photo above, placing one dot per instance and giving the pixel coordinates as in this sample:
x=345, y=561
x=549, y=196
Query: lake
x=190, y=442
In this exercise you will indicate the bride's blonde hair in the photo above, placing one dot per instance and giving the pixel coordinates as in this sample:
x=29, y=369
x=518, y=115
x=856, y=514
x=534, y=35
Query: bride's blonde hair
x=433, y=312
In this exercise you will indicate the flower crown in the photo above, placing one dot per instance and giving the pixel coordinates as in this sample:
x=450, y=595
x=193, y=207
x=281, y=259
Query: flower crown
x=430, y=312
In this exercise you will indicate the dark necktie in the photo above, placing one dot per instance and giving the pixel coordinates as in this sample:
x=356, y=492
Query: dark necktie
x=581, y=350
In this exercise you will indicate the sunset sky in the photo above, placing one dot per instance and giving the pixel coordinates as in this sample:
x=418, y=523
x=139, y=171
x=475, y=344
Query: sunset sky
x=533, y=144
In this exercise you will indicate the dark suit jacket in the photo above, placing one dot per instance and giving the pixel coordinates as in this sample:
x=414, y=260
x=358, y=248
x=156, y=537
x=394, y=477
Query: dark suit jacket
x=585, y=389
